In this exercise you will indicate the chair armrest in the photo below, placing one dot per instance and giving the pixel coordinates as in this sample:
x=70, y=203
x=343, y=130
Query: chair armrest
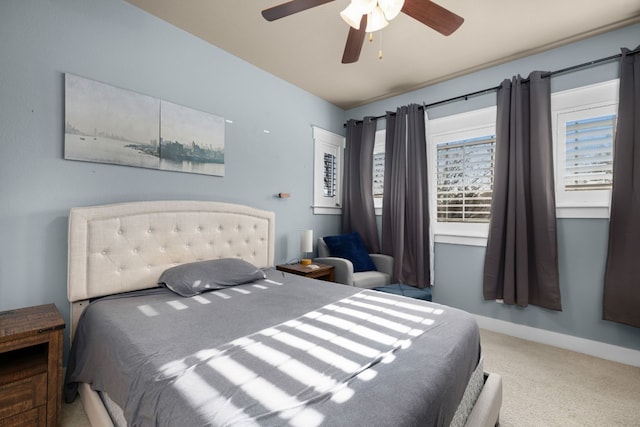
x=343, y=269
x=384, y=263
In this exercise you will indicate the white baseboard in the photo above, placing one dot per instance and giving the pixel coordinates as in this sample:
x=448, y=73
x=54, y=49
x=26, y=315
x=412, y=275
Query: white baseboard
x=568, y=342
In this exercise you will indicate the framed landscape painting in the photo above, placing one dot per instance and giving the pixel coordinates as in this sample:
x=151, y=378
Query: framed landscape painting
x=106, y=124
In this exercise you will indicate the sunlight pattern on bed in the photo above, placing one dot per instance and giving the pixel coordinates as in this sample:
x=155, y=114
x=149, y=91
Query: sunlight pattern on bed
x=283, y=370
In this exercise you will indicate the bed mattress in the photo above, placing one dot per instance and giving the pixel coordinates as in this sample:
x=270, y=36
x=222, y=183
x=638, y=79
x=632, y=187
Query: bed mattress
x=285, y=350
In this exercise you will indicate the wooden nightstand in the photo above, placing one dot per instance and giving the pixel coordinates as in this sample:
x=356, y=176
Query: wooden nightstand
x=31, y=366
x=323, y=272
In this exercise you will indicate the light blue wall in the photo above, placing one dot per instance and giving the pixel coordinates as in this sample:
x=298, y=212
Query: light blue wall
x=582, y=243
x=116, y=43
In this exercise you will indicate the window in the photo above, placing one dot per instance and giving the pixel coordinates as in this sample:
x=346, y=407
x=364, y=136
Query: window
x=378, y=170
x=589, y=153
x=584, y=121
x=461, y=160
x=327, y=182
x=465, y=179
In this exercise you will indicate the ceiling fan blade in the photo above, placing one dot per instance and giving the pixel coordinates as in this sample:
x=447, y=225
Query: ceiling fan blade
x=291, y=7
x=354, y=42
x=437, y=17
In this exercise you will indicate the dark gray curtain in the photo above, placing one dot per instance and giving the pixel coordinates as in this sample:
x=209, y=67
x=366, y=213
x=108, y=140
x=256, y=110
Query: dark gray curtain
x=358, y=212
x=405, y=213
x=521, y=263
x=621, y=301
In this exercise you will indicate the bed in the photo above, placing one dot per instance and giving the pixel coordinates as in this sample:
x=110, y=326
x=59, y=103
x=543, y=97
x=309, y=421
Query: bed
x=263, y=348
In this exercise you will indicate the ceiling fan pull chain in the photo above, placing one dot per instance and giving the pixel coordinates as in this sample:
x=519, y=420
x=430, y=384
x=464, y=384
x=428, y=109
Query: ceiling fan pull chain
x=380, y=50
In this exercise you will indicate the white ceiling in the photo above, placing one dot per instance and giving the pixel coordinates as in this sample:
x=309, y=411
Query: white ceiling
x=305, y=49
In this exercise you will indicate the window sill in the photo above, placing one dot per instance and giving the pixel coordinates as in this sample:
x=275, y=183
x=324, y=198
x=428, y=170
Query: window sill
x=459, y=239
x=582, y=212
x=323, y=210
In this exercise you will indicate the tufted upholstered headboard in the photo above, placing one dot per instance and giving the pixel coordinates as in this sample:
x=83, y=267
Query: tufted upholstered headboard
x=126, y=246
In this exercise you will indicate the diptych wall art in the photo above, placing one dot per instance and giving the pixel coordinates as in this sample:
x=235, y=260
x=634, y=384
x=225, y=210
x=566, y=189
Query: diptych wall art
x=106, y=124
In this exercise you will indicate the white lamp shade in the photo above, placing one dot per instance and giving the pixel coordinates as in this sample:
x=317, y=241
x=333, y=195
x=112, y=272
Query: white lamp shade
x=391, y=8
x=352, y=16
x=376, y=21
x=306, y=241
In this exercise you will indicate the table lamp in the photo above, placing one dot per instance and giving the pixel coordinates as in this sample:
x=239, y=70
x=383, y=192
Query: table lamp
x=306, y=246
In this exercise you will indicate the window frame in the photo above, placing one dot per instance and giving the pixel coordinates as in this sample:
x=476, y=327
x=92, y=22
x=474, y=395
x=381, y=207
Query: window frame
x=467, y=125
x=325, y=142
x=579, y=103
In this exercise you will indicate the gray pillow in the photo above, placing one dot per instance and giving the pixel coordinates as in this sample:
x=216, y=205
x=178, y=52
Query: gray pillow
x=194, y=278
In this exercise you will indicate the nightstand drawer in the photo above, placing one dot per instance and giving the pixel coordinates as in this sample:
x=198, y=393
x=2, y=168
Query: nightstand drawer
x=36, y=417
x=22, y=395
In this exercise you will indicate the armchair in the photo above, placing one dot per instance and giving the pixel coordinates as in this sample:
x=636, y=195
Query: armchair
x=343, y=269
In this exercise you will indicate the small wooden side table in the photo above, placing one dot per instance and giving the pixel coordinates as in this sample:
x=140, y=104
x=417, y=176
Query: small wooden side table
x=31, y=366
x=323, y=272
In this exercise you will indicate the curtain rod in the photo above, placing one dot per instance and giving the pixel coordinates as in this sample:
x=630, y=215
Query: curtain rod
x=495, y=88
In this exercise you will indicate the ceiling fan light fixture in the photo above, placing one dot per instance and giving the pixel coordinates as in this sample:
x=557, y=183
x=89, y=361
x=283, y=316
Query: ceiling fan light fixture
x=376, y=15
x=390, y=8
x=364, y=6
x=352, y=15
x=376, y=20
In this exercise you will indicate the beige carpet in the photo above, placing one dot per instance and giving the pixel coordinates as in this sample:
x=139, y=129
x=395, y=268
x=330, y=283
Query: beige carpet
x=547, y=386
x=543, y=387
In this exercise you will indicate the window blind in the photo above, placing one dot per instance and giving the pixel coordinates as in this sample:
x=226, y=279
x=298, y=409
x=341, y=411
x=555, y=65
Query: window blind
x=589, y=153
x=378, y=174
x=465, y=179
x=329, y=175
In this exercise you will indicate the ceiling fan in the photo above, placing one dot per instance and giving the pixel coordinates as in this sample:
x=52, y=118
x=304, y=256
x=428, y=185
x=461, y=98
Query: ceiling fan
x=425, y=11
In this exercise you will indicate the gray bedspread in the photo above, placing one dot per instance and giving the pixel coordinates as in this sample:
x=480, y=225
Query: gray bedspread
x=286, y=350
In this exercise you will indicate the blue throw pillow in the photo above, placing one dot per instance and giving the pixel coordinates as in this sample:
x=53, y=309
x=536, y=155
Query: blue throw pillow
x=350, y=246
